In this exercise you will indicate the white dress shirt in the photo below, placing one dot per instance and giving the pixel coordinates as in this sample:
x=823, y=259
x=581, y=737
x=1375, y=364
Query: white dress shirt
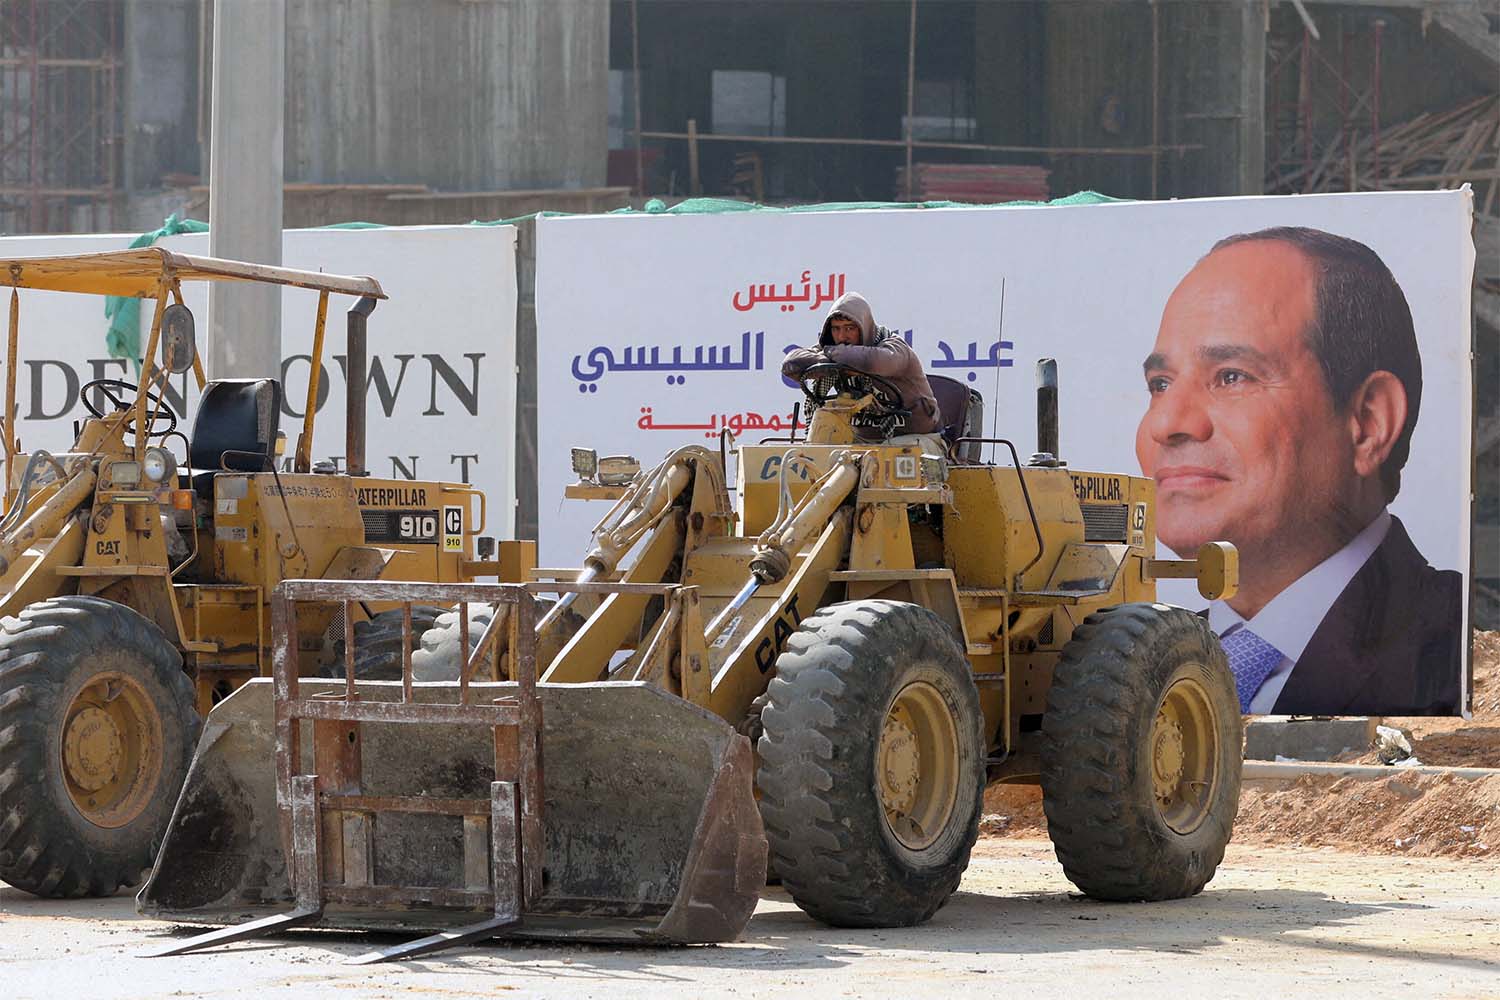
x=1292, y=616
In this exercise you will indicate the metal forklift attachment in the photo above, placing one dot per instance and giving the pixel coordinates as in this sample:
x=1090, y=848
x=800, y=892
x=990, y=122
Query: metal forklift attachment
x=401, y=806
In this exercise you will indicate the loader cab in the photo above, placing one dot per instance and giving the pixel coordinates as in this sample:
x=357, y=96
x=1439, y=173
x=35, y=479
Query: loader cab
x=847, y=405
x=234, y=430
x=842, y=400
x=960, y=415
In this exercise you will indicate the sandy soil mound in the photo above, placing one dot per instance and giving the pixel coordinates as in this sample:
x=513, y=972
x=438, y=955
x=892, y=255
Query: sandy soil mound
x=1463, y=742
x=1403, y=814
x=1013, y=811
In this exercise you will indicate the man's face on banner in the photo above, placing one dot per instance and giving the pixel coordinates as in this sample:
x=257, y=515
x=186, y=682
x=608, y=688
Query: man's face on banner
x=1241, y=434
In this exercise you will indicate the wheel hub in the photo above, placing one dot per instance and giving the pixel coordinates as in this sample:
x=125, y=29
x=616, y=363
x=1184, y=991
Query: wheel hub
x=1167, y=757
x=111, y=751
x=92, y=749
x=900, y=764
x=1184, y=749
x=916, y=765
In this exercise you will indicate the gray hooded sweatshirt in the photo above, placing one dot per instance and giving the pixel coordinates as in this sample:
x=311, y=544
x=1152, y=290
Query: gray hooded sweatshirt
x=880, y=352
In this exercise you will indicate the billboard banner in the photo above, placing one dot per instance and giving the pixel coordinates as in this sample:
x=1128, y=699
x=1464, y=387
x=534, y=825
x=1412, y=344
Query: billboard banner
x=1304, y=393
x=442, y=349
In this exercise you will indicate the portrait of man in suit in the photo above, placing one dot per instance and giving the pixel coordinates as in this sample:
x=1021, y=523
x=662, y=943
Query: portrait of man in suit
x=1284, y=387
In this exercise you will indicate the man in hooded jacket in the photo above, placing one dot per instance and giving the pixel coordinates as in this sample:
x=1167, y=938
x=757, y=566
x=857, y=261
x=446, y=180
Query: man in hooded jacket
x=851, y=338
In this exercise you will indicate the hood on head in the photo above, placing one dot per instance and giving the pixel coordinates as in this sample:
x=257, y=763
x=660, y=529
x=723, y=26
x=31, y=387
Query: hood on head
x=854, y=306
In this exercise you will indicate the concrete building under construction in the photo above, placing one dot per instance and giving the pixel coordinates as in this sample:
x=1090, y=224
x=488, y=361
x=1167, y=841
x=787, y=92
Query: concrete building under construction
x=427, y=111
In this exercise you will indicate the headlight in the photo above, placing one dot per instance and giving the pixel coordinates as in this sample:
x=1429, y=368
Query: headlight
x=585, y=463
x=618, y=470
x=158, y=464
x=124, y=474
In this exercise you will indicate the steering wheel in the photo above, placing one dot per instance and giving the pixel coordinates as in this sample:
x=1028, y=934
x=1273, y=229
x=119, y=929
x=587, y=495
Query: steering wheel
x=115, y=391
x=827, y=380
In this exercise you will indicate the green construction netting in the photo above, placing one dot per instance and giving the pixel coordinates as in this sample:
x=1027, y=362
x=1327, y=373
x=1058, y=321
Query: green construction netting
x=713, y=206
x=123, y=339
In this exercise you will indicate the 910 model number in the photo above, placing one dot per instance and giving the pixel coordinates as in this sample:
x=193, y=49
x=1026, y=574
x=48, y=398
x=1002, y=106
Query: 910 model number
x=417, y=527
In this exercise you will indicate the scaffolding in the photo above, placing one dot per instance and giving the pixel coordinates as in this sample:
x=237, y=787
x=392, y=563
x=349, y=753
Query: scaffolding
x=1331, y=136
x=60, y=114
x=1155, y=150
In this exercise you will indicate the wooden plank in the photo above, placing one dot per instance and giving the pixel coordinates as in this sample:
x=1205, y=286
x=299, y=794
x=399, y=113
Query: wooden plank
x=1479, y=6
x=599, y=192
x=901, y=144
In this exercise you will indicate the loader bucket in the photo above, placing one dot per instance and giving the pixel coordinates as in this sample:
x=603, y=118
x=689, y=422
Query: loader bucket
x=650, y=828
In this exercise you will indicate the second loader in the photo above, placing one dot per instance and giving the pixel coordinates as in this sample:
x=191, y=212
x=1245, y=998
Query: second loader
x=892, y=622
x=137, y=565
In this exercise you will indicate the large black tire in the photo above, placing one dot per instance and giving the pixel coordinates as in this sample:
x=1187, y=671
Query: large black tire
x=440, y=654
x=97, y=727
x=377, y=644
x=844, y=679
x=1124, y=794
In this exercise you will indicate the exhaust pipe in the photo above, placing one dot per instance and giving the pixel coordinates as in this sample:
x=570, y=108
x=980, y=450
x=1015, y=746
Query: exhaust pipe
x=1046, y=413
x=356, y=347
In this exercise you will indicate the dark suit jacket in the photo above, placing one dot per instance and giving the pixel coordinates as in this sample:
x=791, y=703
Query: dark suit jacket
x=1391, y=644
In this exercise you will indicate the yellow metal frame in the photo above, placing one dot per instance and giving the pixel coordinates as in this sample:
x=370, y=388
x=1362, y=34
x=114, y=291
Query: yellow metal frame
x=155, y=273
x=1027, y=553
x=256, y=529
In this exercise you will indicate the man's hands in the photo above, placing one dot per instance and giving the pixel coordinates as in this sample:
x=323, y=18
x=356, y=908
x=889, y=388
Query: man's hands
x=825, y=381
x=800, y=360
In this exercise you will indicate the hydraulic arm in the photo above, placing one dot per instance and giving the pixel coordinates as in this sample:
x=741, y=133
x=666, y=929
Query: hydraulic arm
x=795, y=525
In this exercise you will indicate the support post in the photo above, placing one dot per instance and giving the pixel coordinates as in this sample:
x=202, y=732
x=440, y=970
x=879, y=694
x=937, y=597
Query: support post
x=635, y=77
x=695, y=187
x=245, y=184
x=1155, y=97
x=1375, y=109
x=12, y=439
x=911, y=86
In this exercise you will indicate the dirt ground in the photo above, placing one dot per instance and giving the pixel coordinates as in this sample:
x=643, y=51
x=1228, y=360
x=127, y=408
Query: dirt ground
x=1273, y=923
x=1367, y=889
x=1406, y=814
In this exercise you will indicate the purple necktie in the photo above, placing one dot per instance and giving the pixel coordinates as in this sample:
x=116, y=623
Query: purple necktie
x=1252, y=659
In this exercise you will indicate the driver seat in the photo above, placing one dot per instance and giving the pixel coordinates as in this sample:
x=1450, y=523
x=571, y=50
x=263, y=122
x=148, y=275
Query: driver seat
x=234, y=429
x=960, y=414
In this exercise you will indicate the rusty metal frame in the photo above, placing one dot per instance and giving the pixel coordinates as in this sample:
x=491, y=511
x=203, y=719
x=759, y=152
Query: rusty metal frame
x=670, y=637
x=327, y=821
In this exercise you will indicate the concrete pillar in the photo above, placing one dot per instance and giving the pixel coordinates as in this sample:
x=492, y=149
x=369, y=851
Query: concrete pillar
x=1009, y=75
x=245, y=181
x=1214, y=85
x=1096, y=58
x=1250, y=94
x=459, y=96
x=160, y=92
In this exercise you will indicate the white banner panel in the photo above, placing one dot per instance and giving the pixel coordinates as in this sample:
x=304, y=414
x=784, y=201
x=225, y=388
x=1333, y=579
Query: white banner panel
x=657, y=330
x=442, y=350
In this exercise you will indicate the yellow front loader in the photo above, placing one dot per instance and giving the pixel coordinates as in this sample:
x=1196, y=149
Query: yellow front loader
x=137, y=567
x=894, y=624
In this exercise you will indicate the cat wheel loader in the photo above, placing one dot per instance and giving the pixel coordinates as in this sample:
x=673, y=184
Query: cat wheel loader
x=892, y=622
x=136, y=568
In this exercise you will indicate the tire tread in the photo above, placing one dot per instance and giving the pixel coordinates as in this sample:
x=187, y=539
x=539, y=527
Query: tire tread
x=827, y=681
x=40, y=847
x=1104, y=835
